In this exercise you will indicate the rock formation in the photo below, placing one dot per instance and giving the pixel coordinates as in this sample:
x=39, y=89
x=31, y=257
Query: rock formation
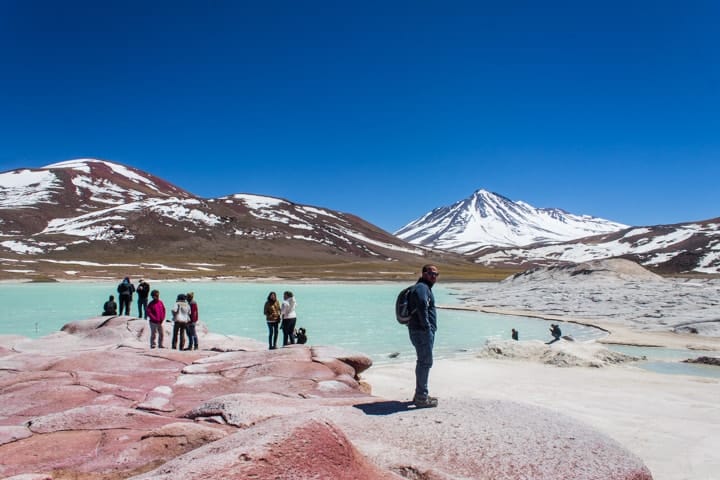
x=95, y=402
x=561, y=354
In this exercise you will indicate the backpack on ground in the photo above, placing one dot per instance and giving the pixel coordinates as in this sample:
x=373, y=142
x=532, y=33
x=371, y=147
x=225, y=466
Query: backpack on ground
x=404, y=307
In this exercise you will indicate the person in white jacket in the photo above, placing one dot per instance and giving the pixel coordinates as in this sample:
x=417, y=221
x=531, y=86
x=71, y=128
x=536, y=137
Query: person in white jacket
x=289, y=318
x=181, y=317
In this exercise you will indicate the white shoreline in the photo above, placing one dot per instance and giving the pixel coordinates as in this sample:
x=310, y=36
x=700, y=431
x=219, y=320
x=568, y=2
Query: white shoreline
x=670, y=421
x=622, y=335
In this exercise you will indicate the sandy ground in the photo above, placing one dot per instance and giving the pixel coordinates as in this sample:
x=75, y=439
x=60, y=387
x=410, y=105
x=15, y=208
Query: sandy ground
x=671, y=422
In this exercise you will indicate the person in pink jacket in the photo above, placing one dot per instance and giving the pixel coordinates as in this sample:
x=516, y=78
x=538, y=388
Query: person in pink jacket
x=156, y=316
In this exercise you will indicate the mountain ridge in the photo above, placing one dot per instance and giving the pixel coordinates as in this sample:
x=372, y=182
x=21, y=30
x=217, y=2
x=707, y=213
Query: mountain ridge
x=95, y=217
x=90, y=213
x=494, y=230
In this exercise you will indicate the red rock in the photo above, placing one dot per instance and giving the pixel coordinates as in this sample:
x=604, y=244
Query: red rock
x=95, y=402
x=358, y=361
x=282, y=449
x=11, y=434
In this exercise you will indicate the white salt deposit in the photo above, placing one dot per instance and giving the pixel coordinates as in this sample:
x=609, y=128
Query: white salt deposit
x=616, y=291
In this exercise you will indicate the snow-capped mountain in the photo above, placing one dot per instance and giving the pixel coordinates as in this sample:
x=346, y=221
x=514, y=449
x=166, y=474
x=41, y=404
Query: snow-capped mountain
x=498, y=232
x=669, y=249
x=88, y=182
x=74, y=192
x=489, y=219
x=100, y=200
x=88, y=209
x=106, y=218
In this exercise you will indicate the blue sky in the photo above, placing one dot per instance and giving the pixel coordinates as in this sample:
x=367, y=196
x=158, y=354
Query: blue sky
x=384, y=109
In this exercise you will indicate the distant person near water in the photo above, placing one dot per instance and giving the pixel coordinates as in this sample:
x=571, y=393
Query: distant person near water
x=110, y=307
x=181, y=317
x=422, y=327
x=301, y=336
x=143, y=291
x=192, y=324
x=555, y=332
x=515, y=334
x=125, y=291
x=289, y=318
x=156, y=316
x=272, y=317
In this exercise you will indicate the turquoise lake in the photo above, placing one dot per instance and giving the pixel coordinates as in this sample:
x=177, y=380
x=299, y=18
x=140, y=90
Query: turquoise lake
x=358, y=316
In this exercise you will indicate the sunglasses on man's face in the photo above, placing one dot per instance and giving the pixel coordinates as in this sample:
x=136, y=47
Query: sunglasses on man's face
x=433, y=274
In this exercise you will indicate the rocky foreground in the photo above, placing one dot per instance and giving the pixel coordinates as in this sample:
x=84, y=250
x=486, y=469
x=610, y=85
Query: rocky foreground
x=94, y=402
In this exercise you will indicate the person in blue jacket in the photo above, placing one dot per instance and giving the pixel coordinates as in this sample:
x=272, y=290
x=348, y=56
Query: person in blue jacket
x=422, y=327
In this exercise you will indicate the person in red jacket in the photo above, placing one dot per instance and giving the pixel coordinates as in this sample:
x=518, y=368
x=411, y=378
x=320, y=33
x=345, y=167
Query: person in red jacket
x=156, y=316
x=192, y=324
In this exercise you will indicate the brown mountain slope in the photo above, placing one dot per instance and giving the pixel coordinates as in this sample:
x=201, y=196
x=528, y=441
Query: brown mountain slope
x=95, y=219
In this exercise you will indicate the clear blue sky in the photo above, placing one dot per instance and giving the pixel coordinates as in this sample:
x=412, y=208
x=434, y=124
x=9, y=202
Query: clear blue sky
x=384, y=109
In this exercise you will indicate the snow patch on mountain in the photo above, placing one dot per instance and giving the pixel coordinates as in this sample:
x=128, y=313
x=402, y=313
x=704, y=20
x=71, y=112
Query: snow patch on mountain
x=104, y=192
x=21, y=247
x=84, y=165
x=317, y=211
x=257, y=202
x=178, y=209
x=710, y=262
x=302, y=217
x=26, y=188
x=366, y=240
x=108, y=223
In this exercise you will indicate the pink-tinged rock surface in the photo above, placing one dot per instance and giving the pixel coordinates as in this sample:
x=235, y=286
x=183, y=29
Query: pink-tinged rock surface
x=287, y=448
x=485, y=439
x=95, y=402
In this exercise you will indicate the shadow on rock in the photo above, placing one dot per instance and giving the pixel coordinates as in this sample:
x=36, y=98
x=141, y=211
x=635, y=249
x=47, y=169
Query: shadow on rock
x=385, y=408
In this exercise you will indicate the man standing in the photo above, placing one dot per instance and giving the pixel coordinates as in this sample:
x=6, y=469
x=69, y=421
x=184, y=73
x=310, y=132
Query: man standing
x=422, y=327
x=143, y=290
x=125, y=291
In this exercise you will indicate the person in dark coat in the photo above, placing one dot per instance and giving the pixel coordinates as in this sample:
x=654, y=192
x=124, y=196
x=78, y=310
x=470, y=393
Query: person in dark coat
x=301, y=336
x=125, y=292
x=143, y=291
x=555, y=332
x=110, y=307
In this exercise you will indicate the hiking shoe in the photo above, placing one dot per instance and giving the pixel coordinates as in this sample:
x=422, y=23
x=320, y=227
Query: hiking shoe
x=425, y=402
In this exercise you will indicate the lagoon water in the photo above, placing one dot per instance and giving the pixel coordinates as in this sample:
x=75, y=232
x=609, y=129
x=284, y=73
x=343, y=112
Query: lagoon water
x=358, y=316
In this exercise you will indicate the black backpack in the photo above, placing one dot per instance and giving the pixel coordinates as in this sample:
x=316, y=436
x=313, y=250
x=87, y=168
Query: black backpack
x=124, y=289
x=405, y=308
